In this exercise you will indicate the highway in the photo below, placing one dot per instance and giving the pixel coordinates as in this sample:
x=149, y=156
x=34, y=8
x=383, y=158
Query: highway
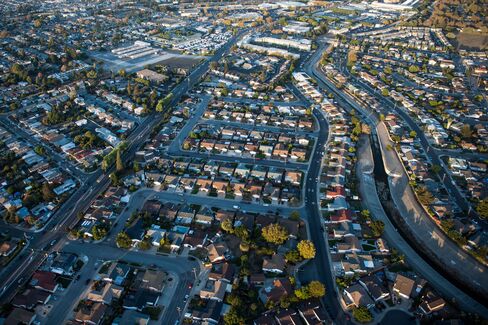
x=67, y=215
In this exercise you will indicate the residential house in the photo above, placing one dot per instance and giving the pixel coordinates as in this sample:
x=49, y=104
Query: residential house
x=275, y=264
x=403, y=286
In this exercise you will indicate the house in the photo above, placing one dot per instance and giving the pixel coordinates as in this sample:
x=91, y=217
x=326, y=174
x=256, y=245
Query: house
x=8, y=247
x=131, y=317
x=217, y=251
x=293, y=177
x=275, y=264
x=136, y=232
x=268, y=318
x=90, y=312
x=291, y=227
x=151, y=280
x=185, y=215
x=30, y=298
x=431, y=303
x=208, y=312
x=104, y=292
x=116, y=273
x=312, y=313
x=403, y=286
x=375, y=287
x=275, y=289
x=20, y=316
x=223, y=272
x=195, y=239
x=356, y=296
x=63, y=263
x=205, y=216
x=287, y=316
x=214, y=290
x=44, y=280
x=349, y=244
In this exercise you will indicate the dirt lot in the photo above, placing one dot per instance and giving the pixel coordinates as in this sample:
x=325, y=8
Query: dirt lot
x=473, y=41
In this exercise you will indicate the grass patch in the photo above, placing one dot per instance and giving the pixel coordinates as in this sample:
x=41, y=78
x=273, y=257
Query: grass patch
x=104, y=268
x=63, y=281
x=153, y=312
x=399, y=267
x=368, y=248
x=200, y=253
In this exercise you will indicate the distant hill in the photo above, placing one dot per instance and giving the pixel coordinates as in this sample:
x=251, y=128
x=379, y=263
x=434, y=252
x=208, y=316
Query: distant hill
x=459, y=13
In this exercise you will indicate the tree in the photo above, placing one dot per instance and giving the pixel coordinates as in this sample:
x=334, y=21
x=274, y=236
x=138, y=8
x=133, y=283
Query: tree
x=295, y=215
x=306, y=249
x=413, y=134
x=233, y=318
x=241, y=232
x=302, y=293
x=424, y=195
x=119, y=165
x=377, y=227
x=47, y=194
x=385, y=92
x=351, y=58
x=293, y=256
x=99, y=232
x=160, y=106
x=145, y=244
x=466, y=131
x=275, y=234
x=227, y=226
x=123, y=240
x=482, y=209
x=436, y=169
x=316, y=289
x=362, y=315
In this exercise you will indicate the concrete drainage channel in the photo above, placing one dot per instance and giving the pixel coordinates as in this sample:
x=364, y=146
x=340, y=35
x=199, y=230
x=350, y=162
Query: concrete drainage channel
x=381, y=180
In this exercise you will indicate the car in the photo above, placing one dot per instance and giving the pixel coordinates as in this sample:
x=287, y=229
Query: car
x=52, y=242
x=190, y=285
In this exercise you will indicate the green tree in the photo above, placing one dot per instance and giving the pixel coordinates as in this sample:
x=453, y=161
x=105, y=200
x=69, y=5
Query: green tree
x=293, y=256
x=306, y=249
x=316, y=289
x=227, y=226
x=377, y=227
x=47, y=193
x=119, y=165
x=145, y=244
x=99, y=232
x=436, y=169
x=275, y=234
x=295, y=215
x=482, y=209
x=123, y=240
x=362, y=315
x=413, y=134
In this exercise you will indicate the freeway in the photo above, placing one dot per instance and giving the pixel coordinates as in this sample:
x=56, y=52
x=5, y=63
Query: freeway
x=67, y=215
x=458, y=261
